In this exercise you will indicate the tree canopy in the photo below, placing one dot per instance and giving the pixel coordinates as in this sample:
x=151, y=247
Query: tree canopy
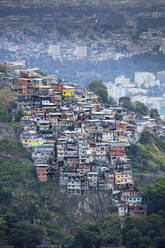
x=3, y=70
x=155, y=195
x=137, y=107
x=28, y=212
x=154, y=113
x=98, y=235
x=141, y=108
x=100, y=89
x=144, y=232
x=96, y=84
x=103, y=94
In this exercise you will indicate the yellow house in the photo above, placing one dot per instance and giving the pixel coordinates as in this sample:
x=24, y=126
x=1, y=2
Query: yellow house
x=31, y=142
x=122, y=138
x=26, y=118
x=37, y=84
x=92, y=148
x=123, y=178
x=101, y=150
x=66, y=93
x=29, y=75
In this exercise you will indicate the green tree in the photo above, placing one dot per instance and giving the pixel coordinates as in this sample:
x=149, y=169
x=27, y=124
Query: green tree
x=96, y=84
x=144, y=232
x=17, y=115
x=3, y=70
x=40, y=72
x=103, y=94
x=111, y=231
x=25, y=235
x=3, y=114
x=154, y=113
x=111, y=101
x=154, y=195
x=100, y=89
x=7, y=104
x=87, y=236
x=5, y=193
x=137, y=107
x=146, y=242
x=126, y=103
x=124, y=100
x=141, y=108
x=146, y=138
x=2, y=231
x=139, y=156
x=133, y=238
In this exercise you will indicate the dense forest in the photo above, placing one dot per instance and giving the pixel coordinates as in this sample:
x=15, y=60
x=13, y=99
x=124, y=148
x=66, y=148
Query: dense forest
x=28, y=213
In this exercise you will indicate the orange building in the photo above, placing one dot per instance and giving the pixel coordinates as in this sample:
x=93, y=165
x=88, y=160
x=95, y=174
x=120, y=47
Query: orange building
x=57, y=88
x=37, y=110
x=42, y=173
x=22, y=86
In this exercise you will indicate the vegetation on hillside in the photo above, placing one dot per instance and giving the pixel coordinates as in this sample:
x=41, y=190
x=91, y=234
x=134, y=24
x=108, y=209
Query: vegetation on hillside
x=3, y=70
x=106, y=233
x=28, y=213
x=31, y=212
x=154, y=113
x=137, y=107
x=154, y=195
x=144, y=232
x=100, y=89
x=40, y=72
x=149, y=154
x=8, y=106
x=148, y=231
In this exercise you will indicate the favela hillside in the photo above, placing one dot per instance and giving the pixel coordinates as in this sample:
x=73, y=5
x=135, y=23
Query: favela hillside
x=77, y=169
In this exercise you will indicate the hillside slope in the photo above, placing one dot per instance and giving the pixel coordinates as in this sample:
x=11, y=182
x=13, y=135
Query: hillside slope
x=149, y=154
x=29, y=207
x=147, y=158
x=34, y=213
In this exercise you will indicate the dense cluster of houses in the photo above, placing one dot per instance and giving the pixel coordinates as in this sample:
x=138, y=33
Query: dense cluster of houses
x=67, y=129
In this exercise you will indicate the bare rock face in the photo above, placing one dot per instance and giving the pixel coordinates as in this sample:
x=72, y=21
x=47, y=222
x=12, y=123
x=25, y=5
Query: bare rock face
x=93, y=206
